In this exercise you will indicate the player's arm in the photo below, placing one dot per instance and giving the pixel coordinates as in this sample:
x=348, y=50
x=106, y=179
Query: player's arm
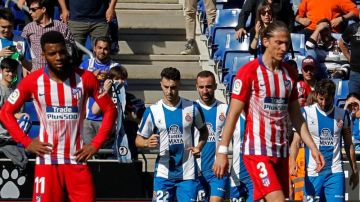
x=7, y=117
x=221, y=163
x=350, y=153
x=199, y=121
x=146, y=138
x=109, y=116
x=294, y=150
x=299, y=124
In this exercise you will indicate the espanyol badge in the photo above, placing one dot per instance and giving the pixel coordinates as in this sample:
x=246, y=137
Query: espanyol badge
x=188, y=117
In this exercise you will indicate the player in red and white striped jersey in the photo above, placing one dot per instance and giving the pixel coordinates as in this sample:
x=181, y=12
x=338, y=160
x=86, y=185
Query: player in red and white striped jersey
x=266, y=89
x=59, y=92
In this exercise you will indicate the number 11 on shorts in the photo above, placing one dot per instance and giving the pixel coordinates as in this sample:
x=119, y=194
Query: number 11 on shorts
x=39, y=183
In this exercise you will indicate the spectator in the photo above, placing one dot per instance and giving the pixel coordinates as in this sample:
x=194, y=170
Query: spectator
x=263, y=19
x=307, y=85
x=281, y=10
x=328, y=125
x=12, y=45
x=324, y=48
x=338, y=12
x=43, y=22
x=60, y=91
x=352, y=104
x=100, y=66
x=169, y=125
x=86, y=17
x=351, y=38
x=190, y=22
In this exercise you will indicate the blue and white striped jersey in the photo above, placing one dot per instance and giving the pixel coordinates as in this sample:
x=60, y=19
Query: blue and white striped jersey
x=175, y=126
x=215, y=116
x=238, y=171
x=325, y=129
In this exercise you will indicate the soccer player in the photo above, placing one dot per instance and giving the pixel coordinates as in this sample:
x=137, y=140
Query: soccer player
x=215, y=114
x=328, y=125
x=60, y=91
x=265, y=89
x=169, y=125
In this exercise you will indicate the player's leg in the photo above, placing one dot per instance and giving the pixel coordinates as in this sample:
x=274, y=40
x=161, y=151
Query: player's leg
x=48, y=184
x=186, y=190
x=334, y=187
x=164, y=190
x=265, y=178
x=218, y=187
x=313, y=188
x=79, y=182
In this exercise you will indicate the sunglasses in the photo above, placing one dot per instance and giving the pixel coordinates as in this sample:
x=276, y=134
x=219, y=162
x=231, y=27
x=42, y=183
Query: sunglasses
x=34, y=9
x=266, y=12
x=309, y=69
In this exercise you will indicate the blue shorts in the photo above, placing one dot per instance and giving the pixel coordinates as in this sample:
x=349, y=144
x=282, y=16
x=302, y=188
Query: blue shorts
x=212, y=186
x=331, y=186
x=165, y=189
x=243, y=192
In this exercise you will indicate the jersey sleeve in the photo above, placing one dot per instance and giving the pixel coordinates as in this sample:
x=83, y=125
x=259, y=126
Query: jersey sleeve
x=84, y=65
x=199, y=119
x=13, y=104
x=301, y=12
x=242, y=84
x=107, y=107
x=348, y=6
x=147, y=124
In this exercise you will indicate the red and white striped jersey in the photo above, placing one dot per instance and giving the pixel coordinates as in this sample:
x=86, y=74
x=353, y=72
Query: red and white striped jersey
x=266, y=95
x=61, y=110
x=304, y=91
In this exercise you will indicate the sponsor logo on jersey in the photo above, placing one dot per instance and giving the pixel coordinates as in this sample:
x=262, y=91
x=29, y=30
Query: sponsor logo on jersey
x=326, y=138
x=188, y=117
x=76, y=93
x=237, y=87
x=211, y=137
x=62, y=113
x=275, y=104
x=14, y=96
x=175, y=135
x=222, y=117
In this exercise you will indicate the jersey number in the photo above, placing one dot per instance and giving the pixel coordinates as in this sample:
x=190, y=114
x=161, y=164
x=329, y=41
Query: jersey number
x=263, y=172
x=162, y=196
x=40, y=181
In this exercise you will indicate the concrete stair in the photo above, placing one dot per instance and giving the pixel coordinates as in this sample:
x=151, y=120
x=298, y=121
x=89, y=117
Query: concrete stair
x=152, y=35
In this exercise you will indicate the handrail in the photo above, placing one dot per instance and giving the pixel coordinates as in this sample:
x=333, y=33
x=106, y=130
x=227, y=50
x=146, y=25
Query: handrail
x=78, y=45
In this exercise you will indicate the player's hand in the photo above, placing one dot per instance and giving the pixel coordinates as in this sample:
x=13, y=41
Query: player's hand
x=354, y=179
x=85, y=153
x=107, y=84
x=153, y=141
x=221, y=165
x=240, y=34
x=336, y=21
x=319, y=158
x=6, y=52
x=195, y=151
x=109, y=14
x=39, y=148
x=305, y=21
x=64, y=16
x=293, y=168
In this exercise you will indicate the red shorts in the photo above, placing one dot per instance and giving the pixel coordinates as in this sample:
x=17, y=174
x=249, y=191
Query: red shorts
x=268, y=174
x=52, y=181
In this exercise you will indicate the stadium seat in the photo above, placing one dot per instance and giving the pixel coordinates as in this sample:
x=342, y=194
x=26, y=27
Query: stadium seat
x=30, y=109
x=341, y=92
x=226, y=18
x=298, y=43
x=337, y=36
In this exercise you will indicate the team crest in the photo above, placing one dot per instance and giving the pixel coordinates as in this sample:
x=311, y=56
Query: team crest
x=339, y=123
x=76, y=93
x=265, y=181
x=19, y=47
x=301, y=90
x=287, y=84
x=188, y=117
x=222, y=117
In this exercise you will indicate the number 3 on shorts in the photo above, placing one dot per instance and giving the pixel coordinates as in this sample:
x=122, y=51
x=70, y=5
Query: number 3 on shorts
x=40, y=181
x=263, y=172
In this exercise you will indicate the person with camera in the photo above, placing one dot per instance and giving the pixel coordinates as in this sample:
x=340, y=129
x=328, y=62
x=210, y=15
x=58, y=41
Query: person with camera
x=100, y=66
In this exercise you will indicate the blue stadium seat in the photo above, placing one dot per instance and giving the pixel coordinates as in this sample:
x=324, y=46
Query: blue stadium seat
x=88, y=43
x=341, y=92
x=221, y=41
x=298, y=43
x=337, y=36
x=226, y=18
x=30, y=109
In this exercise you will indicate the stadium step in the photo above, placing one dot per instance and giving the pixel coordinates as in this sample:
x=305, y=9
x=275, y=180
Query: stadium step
x=148, y=6
x=149, y=1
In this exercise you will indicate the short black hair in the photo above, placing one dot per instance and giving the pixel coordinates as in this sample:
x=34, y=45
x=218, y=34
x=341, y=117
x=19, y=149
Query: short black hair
x=52, y=37
x=48, y=4
x=325, y=87
x=104, y=39
x=170, y=73
x=7, y=15
x=8, y=63
x=205, y=73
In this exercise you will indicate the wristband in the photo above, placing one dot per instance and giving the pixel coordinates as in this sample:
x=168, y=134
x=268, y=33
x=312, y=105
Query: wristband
x=223, y=149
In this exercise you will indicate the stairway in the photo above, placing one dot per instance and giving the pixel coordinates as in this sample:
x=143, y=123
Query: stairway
x=152, y=34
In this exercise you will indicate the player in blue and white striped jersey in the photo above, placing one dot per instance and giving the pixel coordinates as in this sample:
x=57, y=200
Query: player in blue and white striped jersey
x=214, y=112
x=328, y=125
x=241, y=186
x=169, y=124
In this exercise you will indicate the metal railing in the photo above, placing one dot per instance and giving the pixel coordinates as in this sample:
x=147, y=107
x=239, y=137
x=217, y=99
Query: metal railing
x=78, y=45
